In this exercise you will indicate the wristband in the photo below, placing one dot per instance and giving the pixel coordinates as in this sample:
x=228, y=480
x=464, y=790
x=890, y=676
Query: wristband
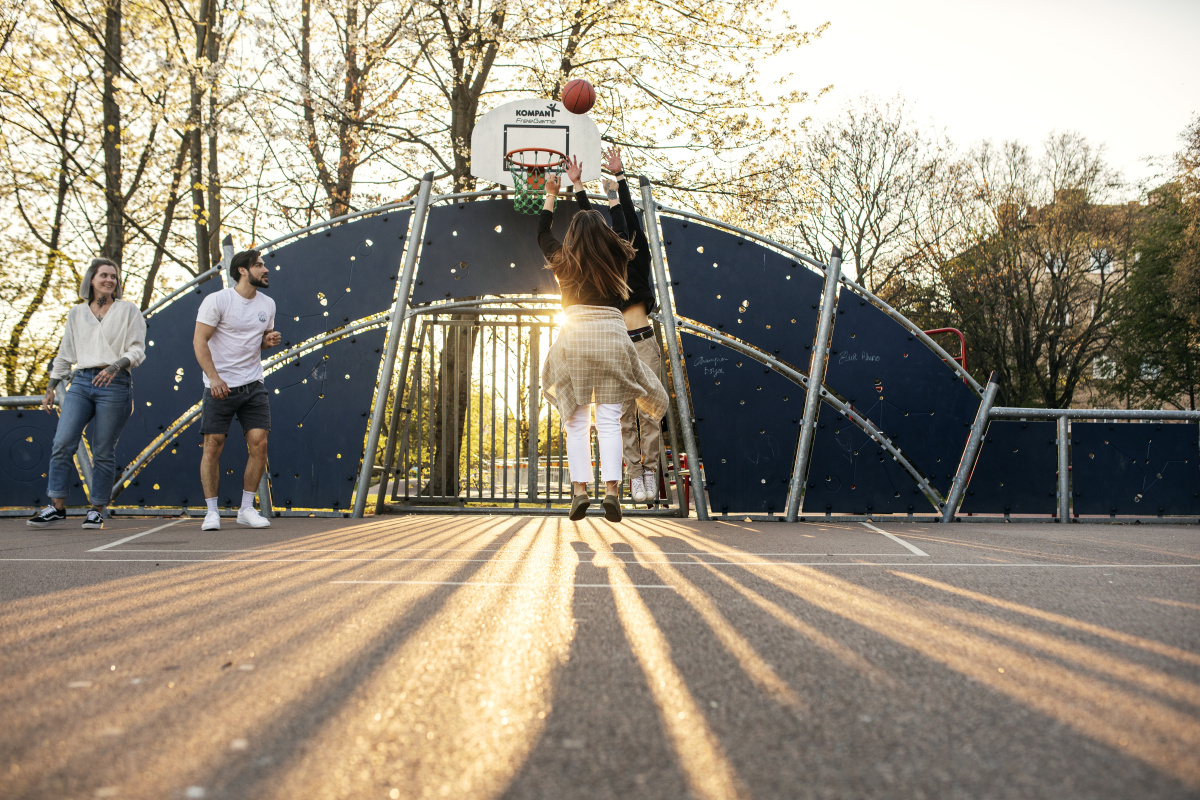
x=618, y=172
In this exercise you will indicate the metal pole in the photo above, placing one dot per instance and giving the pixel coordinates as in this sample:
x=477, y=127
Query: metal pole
x=397, y=407
x=226, y=258
x=1064, y=498
x=389, y=356
x=650, y=217
x=264, y=493
x=816, y=379
x=971, y=452
x=533, y=417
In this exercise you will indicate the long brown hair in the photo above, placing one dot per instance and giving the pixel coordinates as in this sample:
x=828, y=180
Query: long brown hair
x=592, y=256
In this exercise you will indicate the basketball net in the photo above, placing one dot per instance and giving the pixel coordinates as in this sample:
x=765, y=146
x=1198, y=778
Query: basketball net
x=528, y=167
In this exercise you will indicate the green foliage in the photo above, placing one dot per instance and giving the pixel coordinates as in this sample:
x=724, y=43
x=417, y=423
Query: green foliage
x=1156, y=360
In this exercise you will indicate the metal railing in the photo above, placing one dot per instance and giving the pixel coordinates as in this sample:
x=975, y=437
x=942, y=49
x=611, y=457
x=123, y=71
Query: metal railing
x=481, y=437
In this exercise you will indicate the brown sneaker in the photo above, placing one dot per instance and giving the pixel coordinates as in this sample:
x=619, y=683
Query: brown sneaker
x=579, y=506
x=612, y=508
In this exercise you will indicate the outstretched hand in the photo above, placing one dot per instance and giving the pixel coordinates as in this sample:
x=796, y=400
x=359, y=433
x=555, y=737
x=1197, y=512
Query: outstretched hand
x=552, y=185
x=574, y=171
x=612, y=160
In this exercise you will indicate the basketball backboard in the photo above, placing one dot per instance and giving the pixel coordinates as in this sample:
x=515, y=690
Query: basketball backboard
x=533, y=123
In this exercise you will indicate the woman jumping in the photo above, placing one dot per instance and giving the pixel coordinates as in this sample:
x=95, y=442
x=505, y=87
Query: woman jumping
x=593, y=362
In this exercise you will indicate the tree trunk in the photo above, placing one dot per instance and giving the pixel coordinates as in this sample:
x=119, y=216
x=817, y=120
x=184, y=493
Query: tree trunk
x=114, y=239
x=196, y=132
x=212, y=52
x=160, y=247
x=453, y=398
x=35, y=302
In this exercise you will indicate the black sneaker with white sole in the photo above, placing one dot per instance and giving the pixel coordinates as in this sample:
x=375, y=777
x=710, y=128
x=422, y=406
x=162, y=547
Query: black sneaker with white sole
x=94, y=520
x=46, y=517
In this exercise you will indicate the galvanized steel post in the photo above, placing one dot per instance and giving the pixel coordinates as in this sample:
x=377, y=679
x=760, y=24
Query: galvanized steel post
x=389, y=356
x=816, y=379
x=1064, y=497
x=650, y=215
x=971, y=452
x=394, y=423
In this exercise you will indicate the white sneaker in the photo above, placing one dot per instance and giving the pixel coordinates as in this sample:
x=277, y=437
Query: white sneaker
x=650, y=485
x=212, y=521
x=636, y=490
x=251, y=517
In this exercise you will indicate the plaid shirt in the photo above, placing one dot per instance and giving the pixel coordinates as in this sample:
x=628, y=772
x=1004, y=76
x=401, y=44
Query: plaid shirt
x=593, y=361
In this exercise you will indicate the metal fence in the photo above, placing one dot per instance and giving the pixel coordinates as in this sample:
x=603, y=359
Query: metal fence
x=471, y=427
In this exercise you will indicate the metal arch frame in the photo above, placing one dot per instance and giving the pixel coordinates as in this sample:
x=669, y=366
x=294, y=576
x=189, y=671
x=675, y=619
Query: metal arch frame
x=827, y=396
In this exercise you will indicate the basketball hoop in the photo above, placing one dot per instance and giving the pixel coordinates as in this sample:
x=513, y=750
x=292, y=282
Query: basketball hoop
x=528, y=167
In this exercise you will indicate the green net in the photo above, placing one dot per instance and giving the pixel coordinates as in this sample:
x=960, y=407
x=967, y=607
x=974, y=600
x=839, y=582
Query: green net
x=529, y=177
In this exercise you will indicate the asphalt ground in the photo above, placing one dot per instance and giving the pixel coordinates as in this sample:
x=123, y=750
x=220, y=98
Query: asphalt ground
x=509, y=657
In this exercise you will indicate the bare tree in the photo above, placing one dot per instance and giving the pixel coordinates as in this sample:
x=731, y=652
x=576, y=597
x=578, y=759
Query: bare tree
x=1036, y=290
x=867, y=181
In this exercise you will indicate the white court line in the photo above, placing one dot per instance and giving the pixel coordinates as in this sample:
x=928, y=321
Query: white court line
x=137, y=535
x=536, y=585
x=235, y=561
x=723, y=556
x=916, y=550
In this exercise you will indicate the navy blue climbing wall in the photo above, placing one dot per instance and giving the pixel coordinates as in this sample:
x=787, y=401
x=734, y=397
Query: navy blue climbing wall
x=1016, y=471
x=851, y=473
x=743, y=289
x=747, y=417
x=320, y=409
x=166, y=384
x=484, y=248
x=893, y=379
x=330, y=278
x=172, y=478
x=26, y=438
x=319, y=283
x=1135, y=468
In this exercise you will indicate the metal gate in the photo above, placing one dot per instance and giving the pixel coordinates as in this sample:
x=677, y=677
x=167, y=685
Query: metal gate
x=472, y=428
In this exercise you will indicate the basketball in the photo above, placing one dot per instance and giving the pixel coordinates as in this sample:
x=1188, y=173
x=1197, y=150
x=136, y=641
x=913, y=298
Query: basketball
x=578, y=96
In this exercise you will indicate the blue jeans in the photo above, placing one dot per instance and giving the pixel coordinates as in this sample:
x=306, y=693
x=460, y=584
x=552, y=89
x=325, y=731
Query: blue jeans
x=107, y=408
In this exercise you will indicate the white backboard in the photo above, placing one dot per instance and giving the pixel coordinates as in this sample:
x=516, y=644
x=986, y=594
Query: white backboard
x=533, y=123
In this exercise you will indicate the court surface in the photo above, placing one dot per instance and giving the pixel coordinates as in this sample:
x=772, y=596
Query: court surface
x=486, y=657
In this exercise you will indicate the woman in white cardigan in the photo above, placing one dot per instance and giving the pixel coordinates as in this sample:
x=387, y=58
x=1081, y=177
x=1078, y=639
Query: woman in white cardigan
x=104, y=339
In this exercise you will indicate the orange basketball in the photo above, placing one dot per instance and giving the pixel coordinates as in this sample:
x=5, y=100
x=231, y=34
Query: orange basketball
x=578, y=96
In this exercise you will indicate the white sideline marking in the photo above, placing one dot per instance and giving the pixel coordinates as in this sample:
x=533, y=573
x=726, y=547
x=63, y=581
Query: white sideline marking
x=236, y=561
x=137, y=535
x=536, y=585
x=915, y=550
x=731, y=558
x=481, y=551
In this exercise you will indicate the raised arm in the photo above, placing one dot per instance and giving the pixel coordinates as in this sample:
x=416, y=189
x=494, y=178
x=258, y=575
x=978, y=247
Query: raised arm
x=574, y=170
x=545, y=237
x=614, y=164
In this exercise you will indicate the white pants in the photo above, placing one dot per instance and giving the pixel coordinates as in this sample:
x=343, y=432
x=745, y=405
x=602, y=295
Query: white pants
x=608, y=433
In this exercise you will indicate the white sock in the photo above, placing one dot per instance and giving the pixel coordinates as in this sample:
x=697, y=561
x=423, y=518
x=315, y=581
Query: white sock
x=212, y=503
x=247, y=499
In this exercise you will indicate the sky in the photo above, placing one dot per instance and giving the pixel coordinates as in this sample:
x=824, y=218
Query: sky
x=1123, y=74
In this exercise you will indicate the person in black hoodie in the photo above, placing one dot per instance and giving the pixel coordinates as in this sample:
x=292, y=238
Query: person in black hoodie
x=640, y=432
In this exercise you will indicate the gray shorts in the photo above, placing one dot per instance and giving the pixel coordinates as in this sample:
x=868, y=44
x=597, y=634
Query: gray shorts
x=248, y=403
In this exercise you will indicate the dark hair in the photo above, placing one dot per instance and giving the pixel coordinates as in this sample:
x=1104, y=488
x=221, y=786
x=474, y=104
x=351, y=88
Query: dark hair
x=97, y=263
x=243, y=260
x=592, y=255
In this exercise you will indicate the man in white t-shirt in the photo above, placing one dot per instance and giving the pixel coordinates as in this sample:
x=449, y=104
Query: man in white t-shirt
x=233, y=326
